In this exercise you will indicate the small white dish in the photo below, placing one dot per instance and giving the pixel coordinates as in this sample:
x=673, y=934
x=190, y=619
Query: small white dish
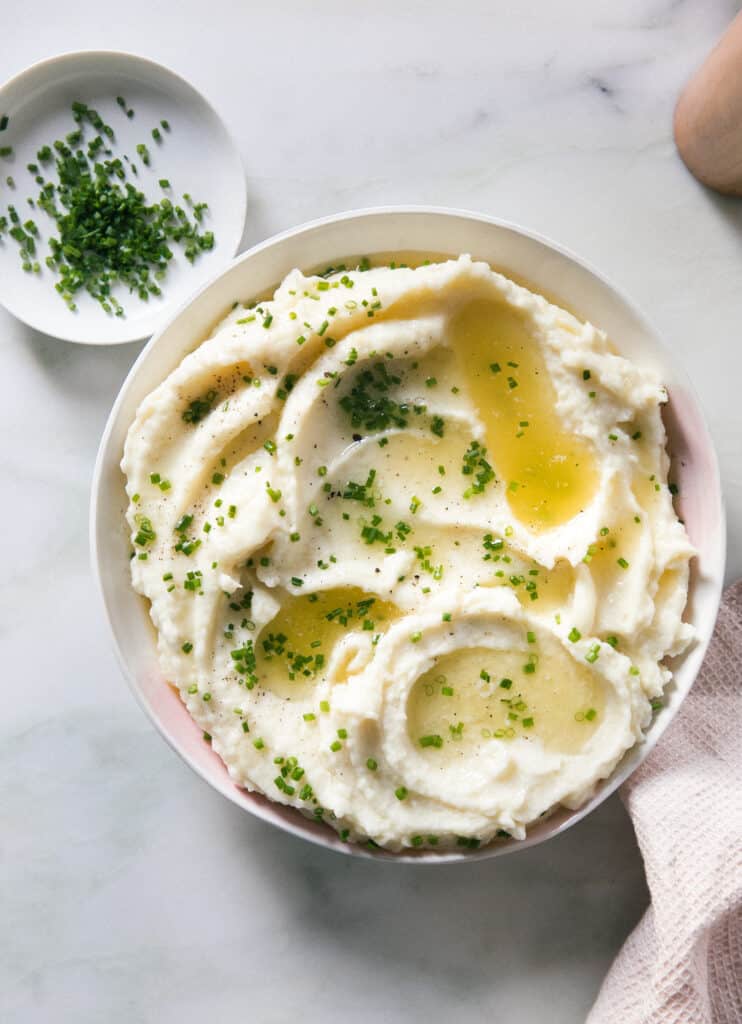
x=197, y=156
x=548, y=268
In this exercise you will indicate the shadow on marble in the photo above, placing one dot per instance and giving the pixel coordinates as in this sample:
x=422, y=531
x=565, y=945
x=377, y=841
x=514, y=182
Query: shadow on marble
x=256, y=226
x=76, y=368
x=726, y=208
x=562, y=908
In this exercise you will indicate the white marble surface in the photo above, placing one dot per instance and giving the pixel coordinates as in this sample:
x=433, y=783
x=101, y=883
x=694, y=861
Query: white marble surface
x=131, y=892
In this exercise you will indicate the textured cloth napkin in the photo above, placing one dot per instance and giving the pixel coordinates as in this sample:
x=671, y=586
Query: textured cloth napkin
x=682, y=964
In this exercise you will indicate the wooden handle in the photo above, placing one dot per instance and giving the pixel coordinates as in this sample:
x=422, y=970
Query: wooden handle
x=708, y=116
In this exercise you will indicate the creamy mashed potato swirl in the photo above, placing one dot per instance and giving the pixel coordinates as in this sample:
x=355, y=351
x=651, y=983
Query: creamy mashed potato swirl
x=410, y=549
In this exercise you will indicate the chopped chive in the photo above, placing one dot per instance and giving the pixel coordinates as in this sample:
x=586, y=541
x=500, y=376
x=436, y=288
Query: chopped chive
x=106, y=232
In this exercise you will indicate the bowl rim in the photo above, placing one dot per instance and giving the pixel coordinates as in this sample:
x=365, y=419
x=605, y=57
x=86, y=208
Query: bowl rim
x=714, y=579
x=241, y=199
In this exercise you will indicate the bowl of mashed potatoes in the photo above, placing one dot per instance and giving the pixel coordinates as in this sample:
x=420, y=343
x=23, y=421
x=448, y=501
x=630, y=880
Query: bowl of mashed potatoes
x=409, y=533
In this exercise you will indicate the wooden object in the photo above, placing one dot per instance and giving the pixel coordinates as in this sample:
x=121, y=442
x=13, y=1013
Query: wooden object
x=708, y=116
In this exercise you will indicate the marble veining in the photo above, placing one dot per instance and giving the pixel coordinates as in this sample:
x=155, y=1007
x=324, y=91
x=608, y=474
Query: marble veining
x=130, y=892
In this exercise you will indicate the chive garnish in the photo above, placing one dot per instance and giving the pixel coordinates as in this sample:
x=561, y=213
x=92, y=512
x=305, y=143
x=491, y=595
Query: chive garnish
x=106, y=231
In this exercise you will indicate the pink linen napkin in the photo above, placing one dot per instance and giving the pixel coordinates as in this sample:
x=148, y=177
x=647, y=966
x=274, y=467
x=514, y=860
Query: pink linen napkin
x=682, y=964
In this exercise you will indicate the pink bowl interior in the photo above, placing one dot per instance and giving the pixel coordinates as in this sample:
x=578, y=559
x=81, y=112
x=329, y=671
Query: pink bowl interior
x=548, y=268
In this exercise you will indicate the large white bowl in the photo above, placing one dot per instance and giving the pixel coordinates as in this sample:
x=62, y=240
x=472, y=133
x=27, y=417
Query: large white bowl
x=547, y=267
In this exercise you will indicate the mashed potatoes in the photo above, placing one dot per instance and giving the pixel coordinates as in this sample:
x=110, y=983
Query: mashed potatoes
x=410, y=550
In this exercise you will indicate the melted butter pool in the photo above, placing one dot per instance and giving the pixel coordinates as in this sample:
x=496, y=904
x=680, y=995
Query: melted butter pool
x=477, y=696
x=550, y=475
x=540, y=590
x=294, y=648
